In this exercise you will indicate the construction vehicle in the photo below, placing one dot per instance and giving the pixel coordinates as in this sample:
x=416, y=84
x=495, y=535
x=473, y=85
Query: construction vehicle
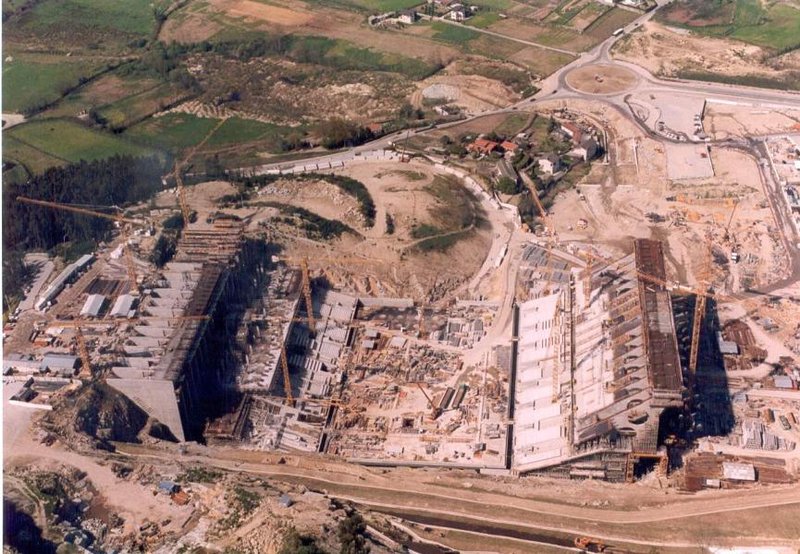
x=587, y=544
x=129, y=263
x=435, y=410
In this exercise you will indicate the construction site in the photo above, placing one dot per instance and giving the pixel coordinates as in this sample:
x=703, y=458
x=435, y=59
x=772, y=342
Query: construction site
x=555, y=358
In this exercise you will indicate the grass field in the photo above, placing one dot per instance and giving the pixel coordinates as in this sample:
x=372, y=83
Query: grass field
x=131, y=17
x=371, y=6
x=483, y=20
x=776, y=26
x=172, y=132
x=346, y=55
x=72, y=141
x=34, y=160
x=138, y=106
x=236, y=130
x=103, y=91
x=493, y=4
x=28, y=83
x=513, y=124
x=453, y=33
x=781, y=29
x=610, y=21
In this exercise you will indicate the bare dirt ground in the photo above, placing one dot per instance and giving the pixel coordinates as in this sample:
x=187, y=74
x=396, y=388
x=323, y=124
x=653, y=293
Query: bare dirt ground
x=374, y=262
x=723, y=121
x=601, y=79
x=136, y=504
x=473, y=93
x=664, y=51
x=623, y=203
x=397, y=267
x=274, y=14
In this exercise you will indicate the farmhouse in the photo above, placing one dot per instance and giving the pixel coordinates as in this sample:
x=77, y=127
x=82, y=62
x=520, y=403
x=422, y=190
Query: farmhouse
x=549, y=164
x=585, y=150
x=483, y=146
x=459, y=13
x=572, y=132
x=510, y=148
x=407, y=16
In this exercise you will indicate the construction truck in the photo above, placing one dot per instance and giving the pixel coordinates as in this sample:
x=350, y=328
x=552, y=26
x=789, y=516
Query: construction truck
x=587, y=544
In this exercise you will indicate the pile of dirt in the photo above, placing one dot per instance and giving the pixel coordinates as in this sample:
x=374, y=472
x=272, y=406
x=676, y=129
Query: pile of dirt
x=99, y=413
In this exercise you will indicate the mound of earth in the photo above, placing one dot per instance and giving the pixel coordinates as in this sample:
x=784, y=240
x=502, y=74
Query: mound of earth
x=100, y=413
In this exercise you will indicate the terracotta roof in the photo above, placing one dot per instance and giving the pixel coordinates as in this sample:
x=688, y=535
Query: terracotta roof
x=483, y=145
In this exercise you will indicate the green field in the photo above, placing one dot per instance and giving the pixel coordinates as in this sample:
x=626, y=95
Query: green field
x=27, y=83
x=371, y=6
x=138, y=106
x=781, y=29
x=609, y=22
x=483, y=20
x=493, y=4
x=777, y=26
x=346, y=55
x=132, y=17
x=101, y=92
x=513, y=124
x=236, y=130
x=453, y=33
x=72, y=141
x=34, y=160
x=173, y=131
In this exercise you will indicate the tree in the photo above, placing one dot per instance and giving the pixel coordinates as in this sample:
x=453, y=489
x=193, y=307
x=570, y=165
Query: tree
x=351, y=535
x=164, y=250
x=507, y=185
x=336, y=133
x=295, y=543
x=406, y=111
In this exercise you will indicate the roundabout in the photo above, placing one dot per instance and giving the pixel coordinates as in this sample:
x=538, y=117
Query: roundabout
x=601, y=79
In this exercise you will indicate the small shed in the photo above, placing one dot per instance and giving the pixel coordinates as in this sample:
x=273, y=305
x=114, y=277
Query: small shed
x=169, y=487
x=727, y=347
x=783, y=382
x=285, y=501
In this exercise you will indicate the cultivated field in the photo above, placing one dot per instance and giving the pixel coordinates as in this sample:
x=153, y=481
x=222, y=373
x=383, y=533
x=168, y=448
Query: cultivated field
x=33, y=80
x=770, y=24
x=82, y=144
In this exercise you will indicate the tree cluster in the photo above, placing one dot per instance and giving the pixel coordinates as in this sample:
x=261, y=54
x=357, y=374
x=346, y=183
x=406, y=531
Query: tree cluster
x=115, y=181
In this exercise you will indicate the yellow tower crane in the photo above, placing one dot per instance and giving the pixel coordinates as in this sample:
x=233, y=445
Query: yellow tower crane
x=80, y=339
x=129, y=263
